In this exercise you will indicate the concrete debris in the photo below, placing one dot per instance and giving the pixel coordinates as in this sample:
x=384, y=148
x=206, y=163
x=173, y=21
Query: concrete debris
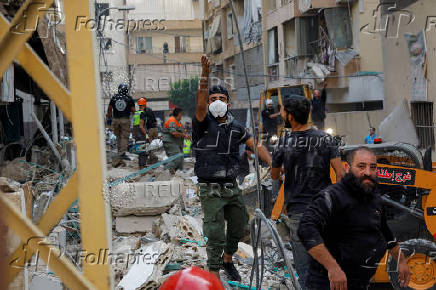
x=134, y=224
x=40, y=205
x=250, y=181
x=144, y=198
x=125, y=244
x=164, y=175
x=148, y=238
x=58, y=238
x=42, y=281
x=117, y=173
x=146, y=271
x=8, y=185
x=245, y=251
x=16, y=170
x=175, y=228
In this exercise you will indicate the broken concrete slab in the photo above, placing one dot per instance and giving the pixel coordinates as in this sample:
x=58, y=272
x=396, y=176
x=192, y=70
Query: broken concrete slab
x=125, y=244
x=16, y=170
x=148, y=267
x=164, y=175
x=175, y=228
x=58, y=238
x=117, y=173
x=134, y=224
x=9, y=185
x=245, y=251
x=40, y=205
x=144, y=198
x=42, y=281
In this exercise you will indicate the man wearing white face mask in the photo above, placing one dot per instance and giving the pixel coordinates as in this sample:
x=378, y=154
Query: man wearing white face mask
x=216, y=138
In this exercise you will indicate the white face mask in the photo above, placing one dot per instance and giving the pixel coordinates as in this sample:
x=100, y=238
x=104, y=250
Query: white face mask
x=218, y=109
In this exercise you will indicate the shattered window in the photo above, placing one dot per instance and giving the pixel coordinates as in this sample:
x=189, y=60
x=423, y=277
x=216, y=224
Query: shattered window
x=307, y=35
x=339, y=26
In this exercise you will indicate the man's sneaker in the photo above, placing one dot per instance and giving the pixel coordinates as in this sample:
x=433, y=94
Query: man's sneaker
x=231, y=271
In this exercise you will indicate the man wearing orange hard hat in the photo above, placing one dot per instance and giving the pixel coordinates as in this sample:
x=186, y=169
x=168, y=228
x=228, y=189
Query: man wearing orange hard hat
x=143, y=124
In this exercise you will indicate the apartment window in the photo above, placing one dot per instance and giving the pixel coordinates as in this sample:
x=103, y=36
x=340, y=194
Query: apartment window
x=273, y=54
x=144, y=45
x=180, y=44
x=101, y=9
x=230, y=25
x=106, y=43
x=338, y=22
x=307, y=35
x=422, y=116
x=350, y=107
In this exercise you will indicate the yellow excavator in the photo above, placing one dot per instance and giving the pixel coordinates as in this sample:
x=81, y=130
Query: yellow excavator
x=278, y=96
x=408, y=184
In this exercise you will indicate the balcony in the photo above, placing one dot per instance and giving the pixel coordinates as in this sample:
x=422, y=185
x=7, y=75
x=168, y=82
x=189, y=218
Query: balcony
x=158, y=58
x=311, y=5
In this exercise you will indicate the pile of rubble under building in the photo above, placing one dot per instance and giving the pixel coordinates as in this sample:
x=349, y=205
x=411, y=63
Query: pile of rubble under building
x=156, y=223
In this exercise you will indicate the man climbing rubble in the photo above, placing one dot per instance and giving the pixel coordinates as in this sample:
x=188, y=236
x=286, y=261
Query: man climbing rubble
x=306, y=155
x=120, y=107
x=216, y=139
x=345, y=230
x=139, y=129
x=173, y=136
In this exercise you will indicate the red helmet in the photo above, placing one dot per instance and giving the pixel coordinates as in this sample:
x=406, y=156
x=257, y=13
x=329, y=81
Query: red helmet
x=193, y=279
x=142, y=101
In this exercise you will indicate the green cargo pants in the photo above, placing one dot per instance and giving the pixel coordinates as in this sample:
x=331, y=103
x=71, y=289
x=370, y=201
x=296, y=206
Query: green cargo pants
x=222, y=203
x=172, y=148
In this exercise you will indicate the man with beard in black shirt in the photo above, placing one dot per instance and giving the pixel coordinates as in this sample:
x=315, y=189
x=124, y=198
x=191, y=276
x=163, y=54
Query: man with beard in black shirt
x=345, y=230
x=306, y=155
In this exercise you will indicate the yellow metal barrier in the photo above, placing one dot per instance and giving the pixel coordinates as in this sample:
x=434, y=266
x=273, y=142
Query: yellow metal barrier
x=80, y=105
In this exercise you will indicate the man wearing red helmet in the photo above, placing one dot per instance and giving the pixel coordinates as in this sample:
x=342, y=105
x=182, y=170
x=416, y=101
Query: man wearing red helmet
x=192, y=279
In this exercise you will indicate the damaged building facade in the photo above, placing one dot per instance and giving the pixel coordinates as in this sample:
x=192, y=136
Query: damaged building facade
x=409, y=46
x=24, y=106
x=168, y=51
x=222, y=44
x=309, y=42
x=358, y=48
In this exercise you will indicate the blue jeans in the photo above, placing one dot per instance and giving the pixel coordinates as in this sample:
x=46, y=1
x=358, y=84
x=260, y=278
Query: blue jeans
x=301, y=257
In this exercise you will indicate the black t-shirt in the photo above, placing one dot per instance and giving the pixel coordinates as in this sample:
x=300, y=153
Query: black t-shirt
x=148, y=117
x=269, y=124
x=306, y=158
x=122, y=105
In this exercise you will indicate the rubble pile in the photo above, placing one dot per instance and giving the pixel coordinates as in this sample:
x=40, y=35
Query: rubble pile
x=159, y=216
x=156, y=221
